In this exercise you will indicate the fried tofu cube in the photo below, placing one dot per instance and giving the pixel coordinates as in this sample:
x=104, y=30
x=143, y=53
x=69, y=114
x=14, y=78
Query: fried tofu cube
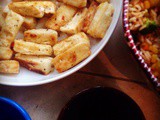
x=39, y=64
x=27, y=8
x=5, y=53
x=29, y=48
x=9, y=67
x=33, y=8
x=63, y=15
x=70, y=42
x=71, y=57
x=101, y=20
x=29, y=0
x=76, y=3
x=90, y=15
x=101, y=1
x=30, y=22
x=1, y=18
x=75, y=25
x=69, y=52
x=41, y=36
x=10, y=29
x=17, y=0
x=5, y=11
x=49, y=7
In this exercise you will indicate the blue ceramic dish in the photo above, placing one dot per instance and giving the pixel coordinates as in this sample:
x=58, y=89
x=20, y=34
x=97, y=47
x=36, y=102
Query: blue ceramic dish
x=10, y=110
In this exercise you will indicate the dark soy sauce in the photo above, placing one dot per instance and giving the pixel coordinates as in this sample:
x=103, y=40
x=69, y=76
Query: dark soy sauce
x=101, y=104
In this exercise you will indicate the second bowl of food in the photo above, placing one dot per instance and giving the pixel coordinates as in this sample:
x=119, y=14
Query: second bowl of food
x=142, y=28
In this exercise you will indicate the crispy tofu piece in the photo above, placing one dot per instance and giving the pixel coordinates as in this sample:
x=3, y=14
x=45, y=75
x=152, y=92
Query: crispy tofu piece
x=10, y=29
x=1, y=18
x=29, y=48
x=26, y=8
x=5, y=53
x=63, y=15
x=33, y=8
x=70, y=42
x=5, y=11
x=39, y=0
x=71, y=51
x=29, y=0
x=30, y=22
x=75, y=25
x=17, y=0
x=101, y=20
x=101, y=1
x=76, y=3
x=39, y=64
x=71, y=57
x=9, y=67
x=49, y=7
x=90, y=15
x=41, y=36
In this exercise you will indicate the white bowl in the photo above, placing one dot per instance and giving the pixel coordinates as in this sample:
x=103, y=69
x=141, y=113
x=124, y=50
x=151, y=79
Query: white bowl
x=28, y=78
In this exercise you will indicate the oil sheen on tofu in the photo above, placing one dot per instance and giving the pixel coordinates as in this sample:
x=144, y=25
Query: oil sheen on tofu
x=43, y=35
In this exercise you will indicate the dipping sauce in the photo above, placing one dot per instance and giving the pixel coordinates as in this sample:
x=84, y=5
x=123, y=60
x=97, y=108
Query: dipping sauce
x=101, y=104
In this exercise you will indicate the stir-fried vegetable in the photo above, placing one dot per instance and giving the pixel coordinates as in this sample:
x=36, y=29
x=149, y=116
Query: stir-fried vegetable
x=149, y=27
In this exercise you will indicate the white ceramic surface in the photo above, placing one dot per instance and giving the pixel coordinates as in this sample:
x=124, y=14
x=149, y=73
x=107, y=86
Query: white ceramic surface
x=28, y=78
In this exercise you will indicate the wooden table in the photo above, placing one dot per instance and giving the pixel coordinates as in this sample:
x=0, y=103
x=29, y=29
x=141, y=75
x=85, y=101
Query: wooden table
x=113, y=67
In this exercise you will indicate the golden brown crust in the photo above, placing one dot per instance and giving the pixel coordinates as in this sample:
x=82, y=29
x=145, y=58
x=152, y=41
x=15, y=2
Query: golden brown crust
x=63, y=15
x=30, y=48
x=90, y=15
x=39, y=64
x=70, y=42
x=71, y=57
x=35, y=51
x=27, y=65
x=101, y=20
x=9, y=66
x=76, y=3
x=10, y=29
x=1, y=18
x=33, y=8
x=41, y=36
x=5, y=53
x=75, y=25
x=101, y=1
